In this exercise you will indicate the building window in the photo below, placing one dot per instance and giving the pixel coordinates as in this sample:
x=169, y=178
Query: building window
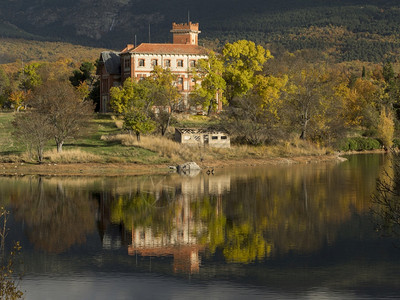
x=141, y=62
x=224, y=137
x=154, y=62
x=192, y=63
x=214, y=137
x=180, y=80
x=179, y=63
x=167, y=63
x=127, y=63
x=104, y=83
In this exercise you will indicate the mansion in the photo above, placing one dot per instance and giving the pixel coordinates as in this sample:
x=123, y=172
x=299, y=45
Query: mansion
x=138, y=61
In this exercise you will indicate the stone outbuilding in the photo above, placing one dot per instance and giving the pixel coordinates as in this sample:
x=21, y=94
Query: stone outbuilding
x=203, y=136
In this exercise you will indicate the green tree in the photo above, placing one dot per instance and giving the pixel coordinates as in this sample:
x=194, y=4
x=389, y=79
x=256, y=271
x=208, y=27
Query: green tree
x=164, y=95
x=131, y=94
x=85, y=73
x=138, y=122
x=388, y=72
x=242, y=60
x=210, y=90
x=86, y=81
x=30, y=78
x=133, y=100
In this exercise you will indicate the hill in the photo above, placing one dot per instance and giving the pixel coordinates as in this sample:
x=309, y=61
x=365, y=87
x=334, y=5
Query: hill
x=12, y=50
x=344, y=29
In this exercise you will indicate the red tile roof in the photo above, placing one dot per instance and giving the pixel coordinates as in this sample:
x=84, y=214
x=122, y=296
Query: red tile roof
x=169, y=49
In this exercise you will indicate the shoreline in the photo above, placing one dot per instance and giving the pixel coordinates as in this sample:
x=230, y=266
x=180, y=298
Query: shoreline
x=132, y=169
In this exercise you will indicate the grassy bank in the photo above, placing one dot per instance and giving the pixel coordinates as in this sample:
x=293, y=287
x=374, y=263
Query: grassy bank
x=108, y=144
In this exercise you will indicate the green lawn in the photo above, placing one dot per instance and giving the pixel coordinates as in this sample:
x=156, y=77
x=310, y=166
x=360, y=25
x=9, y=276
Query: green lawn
x=109, y=151
x=8, y=145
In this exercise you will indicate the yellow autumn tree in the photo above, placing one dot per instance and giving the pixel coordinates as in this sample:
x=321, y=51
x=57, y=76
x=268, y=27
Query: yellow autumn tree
x=386, y=128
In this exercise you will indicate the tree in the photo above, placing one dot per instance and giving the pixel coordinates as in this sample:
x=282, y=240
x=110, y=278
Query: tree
x=138, y=122
x=210, y=90
x=30, y=78
x=242, y=60
x=255, y=117
x=306, y=95
x=84, y=74
x=64, y=111
x=9, y=288
x=164, y=95
x=131, y=94
x=4, y=87
x=86, y=81
x=33, y=129
x=155, y=96
x=386, y=128
x=133, y=101
x=247, y=121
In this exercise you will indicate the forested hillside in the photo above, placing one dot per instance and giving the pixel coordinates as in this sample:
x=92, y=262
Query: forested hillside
x=344, y=29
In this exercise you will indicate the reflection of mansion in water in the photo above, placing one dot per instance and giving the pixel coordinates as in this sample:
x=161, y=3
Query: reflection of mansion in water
x=182, y=240
x=206, y=184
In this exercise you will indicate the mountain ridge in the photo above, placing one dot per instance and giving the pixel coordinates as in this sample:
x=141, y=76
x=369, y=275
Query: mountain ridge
x=280, y=25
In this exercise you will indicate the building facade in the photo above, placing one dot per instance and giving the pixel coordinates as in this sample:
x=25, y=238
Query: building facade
x=138, y=62
x=202, y=137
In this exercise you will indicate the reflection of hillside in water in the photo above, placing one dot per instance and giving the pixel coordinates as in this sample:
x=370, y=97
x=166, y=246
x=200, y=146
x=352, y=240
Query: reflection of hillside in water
x=243, y=215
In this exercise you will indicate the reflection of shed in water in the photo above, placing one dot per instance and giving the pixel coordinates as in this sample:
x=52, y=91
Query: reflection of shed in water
x=202, y=136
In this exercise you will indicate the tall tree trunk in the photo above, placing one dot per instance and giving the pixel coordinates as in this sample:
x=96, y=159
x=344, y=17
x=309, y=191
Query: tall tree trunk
x=304, y=131
x=164, y=130
x=40, y=154
x=59, y=147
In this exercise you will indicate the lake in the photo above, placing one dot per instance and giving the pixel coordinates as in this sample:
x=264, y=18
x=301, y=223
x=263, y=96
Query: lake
x=290, y=232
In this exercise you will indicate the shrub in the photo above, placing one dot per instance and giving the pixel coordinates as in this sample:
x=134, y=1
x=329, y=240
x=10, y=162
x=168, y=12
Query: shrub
x=359, y=144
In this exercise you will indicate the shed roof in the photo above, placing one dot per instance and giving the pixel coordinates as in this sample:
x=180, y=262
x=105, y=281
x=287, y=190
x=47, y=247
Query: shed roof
x=200, y=130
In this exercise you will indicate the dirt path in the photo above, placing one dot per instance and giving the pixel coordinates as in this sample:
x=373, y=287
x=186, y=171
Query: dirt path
x=125, y=169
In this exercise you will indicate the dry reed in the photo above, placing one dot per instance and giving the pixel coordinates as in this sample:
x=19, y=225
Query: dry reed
x=71, y=156
x=176, y=152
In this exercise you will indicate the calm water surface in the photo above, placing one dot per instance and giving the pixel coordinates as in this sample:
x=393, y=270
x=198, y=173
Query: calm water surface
x=288, y=232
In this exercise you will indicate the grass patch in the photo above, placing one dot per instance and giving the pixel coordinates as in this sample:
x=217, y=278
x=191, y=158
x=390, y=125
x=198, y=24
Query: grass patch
x=71, y=156
x=106, y=143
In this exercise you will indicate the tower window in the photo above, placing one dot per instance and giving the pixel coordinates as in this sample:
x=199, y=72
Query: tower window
x=154, y=62
x=179, y=63
x=141, y=62
x=167, y=63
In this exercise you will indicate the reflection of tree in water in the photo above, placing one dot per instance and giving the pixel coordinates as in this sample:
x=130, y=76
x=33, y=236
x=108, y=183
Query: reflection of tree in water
x=144, y=209
x=56, y=216
x=386, y=200
x=282, y=210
